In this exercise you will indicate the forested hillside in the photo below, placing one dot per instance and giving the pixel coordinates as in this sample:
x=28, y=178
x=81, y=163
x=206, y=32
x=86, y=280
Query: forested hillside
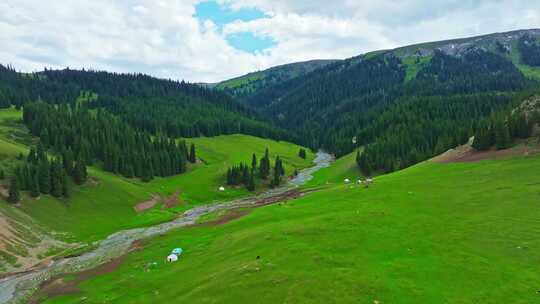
x=408, y=104
x=244, y=86
x=155, y=105
x=403, y=106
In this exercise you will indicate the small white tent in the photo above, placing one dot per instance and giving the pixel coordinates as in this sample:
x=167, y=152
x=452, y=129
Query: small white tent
x=172, y=258
x=347, y=180
x=221, y=188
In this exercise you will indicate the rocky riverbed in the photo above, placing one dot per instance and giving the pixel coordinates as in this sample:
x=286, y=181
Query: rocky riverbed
x=19, y=287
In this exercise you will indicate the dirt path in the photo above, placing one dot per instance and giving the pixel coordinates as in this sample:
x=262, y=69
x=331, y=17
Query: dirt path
x=466, y=153
x=59, y=286
x=20, y=287
x=168, y=202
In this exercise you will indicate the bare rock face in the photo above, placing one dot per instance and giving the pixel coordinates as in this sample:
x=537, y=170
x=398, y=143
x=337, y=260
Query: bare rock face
x=531, y=108
x=458, y=47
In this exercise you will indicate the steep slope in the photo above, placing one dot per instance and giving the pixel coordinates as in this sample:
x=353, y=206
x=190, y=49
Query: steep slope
x=107, y=202
x=472, y=226
x=245, y=86
x=150, y=104
x=409, y=103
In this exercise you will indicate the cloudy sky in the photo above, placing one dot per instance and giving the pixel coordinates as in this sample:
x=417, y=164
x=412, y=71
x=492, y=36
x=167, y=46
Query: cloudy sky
x=209, y=41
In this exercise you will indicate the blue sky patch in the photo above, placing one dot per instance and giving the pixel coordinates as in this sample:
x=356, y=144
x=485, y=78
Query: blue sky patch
x=250, y=43
x=223, y=14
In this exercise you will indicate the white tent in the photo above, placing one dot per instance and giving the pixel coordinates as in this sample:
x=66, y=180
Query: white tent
x=347, y=180
x=172, y=258
x=221, y=188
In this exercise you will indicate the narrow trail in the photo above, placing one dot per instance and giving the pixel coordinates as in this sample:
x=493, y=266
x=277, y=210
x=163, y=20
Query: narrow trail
x=19, y=287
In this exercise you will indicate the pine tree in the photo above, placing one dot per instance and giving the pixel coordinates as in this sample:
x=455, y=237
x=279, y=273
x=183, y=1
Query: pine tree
x=148, y=172
x=302, y=153
x=57, y=178
x=66, y=191
x=44, y=177
x=253, y=163
x=14, y=193
x=251, y=184
x=245, y=175
x=363, y=163
x=229, y=176
x=192, y=155
x=41, y=152
x=44, y=138
x=79, y=172
x=502, y=135
x=278, y=172
x=34, y=186
x=129, y=172
x=483, y=139
x=32, y=157
x=264, y=168
x=67, y=161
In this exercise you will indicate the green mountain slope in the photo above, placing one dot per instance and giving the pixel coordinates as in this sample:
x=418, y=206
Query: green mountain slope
x=459, y=233
x=408, y=104
x=150, y=104
x=106, y=202
x=244, y=86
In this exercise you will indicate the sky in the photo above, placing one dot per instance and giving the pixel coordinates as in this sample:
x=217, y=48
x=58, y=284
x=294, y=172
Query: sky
x=210, y=41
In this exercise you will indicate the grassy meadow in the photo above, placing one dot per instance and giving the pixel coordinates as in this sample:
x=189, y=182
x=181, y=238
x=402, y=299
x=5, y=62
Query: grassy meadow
x=105, y=204
x=433, y=233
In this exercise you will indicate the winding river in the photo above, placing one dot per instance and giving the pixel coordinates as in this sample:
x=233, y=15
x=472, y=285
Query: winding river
x=18, y=287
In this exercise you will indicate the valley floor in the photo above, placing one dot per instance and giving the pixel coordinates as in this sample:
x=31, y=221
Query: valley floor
x=433, y=233
x=108, y=203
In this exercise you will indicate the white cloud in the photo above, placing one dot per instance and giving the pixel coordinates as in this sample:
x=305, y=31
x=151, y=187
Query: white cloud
x=162, y=38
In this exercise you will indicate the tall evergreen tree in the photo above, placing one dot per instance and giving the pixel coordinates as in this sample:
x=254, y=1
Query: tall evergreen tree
x=253, y=163
x=32, y=156
x=79, y=172
x=264, y=167
x=34, y=188
x=57, y=178
x=40, y=153
x=484, y=138
x=14, y=193
x=502, y=135
x=251, y=184
x=302, y=153
x=66, y=190
x=44, y=177
x=278, y=172
x=67, y=161
x=192, y=155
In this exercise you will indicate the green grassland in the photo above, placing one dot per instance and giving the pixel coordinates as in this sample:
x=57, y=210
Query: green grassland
x=433, y=233
x=12, y=133
x=414, y=65
x=105, y=204
x=342, y=168
x=528, y=71
x=240, y=81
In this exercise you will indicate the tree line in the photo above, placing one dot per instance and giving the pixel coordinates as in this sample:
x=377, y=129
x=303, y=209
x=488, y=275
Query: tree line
x=502, y=130
x=529, y=48
x=246, y=175
x=42, y=174
x=171, y=108
x=98, y=136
